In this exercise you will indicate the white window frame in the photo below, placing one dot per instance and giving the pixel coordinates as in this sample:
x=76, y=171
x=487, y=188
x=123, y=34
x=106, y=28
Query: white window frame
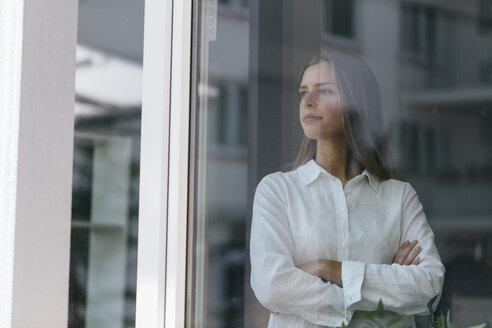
x=36, y=172
x=162, y=241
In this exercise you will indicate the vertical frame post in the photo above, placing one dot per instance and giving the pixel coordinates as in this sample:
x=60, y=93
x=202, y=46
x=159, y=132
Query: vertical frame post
x=179, y=145
x=161, y=279
x=152, y=227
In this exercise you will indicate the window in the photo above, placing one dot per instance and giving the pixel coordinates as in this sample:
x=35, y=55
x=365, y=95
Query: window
x=419, y=30
x=338, y=18
x=486, y=73
x=245, y=124
x=485, y=16
x=228, y=109
x=233, y=5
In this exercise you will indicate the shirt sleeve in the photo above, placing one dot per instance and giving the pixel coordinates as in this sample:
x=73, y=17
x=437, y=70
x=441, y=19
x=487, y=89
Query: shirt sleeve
x=277, y=283
x=402, y=289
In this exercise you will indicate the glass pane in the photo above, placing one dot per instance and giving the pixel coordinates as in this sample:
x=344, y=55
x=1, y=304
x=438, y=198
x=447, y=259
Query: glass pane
x=103, y=259
x=300, y=222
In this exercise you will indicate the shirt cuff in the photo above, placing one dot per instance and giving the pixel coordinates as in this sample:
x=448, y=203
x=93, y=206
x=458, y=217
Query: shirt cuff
x=352, y=277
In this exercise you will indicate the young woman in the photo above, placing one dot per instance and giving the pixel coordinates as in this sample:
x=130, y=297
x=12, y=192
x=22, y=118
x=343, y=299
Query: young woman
x=338, y=233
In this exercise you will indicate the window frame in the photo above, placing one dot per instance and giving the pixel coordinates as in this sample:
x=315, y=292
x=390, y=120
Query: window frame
x=163, y=210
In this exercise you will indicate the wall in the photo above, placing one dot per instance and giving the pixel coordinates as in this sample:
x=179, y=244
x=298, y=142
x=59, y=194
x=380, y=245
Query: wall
x=36, y=141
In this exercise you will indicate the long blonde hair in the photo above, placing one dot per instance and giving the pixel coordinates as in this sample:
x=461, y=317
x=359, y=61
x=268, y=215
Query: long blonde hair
x=362, y=118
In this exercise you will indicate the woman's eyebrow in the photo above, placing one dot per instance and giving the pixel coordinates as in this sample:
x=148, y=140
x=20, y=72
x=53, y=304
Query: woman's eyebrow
x=323, y=83
x=317, y=84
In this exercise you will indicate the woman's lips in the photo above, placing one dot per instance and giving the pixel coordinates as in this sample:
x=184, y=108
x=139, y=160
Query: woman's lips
x=311, y=118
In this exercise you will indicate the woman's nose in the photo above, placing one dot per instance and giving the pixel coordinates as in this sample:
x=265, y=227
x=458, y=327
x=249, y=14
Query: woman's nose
x=309, y=100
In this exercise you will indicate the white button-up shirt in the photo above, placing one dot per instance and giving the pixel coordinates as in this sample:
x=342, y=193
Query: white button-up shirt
x=306, y=214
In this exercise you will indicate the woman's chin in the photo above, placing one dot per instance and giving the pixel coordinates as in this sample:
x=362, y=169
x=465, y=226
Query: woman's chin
x=325, y=136
x=311, y=136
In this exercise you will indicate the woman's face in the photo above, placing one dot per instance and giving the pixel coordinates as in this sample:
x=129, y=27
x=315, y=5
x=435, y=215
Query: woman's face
x=320, y=111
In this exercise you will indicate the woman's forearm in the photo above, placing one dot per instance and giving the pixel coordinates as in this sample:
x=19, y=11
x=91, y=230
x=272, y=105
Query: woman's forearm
x=331, y=271
x=328, y=270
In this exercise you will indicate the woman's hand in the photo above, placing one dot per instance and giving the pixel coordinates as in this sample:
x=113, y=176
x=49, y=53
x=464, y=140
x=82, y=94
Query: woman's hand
x=405, y=255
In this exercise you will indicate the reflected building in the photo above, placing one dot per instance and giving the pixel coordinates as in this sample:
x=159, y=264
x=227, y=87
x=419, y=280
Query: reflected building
x=105, y=191
x=445, y=85
x=108, y=89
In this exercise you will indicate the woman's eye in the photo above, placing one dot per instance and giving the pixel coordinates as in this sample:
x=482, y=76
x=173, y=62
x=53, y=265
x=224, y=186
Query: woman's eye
x=326, y=91
x=302, y=93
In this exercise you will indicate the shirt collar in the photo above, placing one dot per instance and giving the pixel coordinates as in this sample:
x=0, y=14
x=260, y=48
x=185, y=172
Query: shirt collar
x=311, y=170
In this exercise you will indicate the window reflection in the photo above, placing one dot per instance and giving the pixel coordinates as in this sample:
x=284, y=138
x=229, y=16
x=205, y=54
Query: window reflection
x=338, y=18
x=105, y=193
x=228, y=113
x=103, y=258
x=419, y=31
x=432, y=60
x=485, y=16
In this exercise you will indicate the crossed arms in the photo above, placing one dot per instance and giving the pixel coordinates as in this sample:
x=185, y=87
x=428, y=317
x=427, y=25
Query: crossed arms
x=326, y=292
